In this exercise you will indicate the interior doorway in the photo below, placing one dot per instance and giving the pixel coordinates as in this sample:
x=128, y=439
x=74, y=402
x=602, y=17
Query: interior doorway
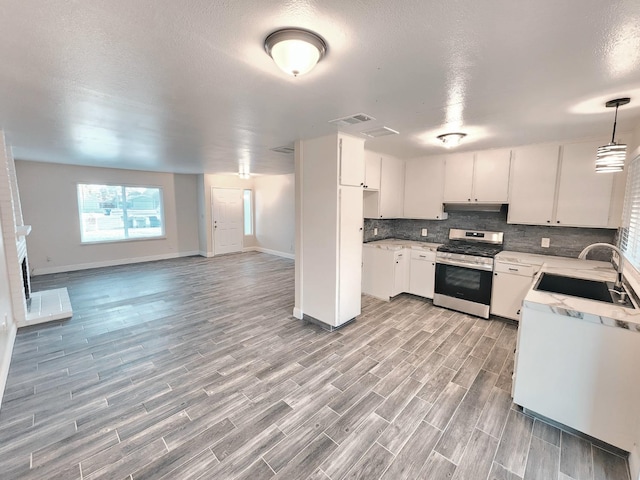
x=226, y=208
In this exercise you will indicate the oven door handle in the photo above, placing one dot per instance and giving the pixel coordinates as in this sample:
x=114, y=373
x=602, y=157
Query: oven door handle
x=473, y=266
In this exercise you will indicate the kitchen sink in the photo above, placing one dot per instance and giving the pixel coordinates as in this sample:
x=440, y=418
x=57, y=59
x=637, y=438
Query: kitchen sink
x=597, y=290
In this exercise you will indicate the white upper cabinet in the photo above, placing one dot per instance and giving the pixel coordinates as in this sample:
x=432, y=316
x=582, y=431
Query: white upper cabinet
x=482, y=177
x=584, y=196
x=351, y=158
x=424, y=188
x=558, y=185
x=458, y=178
x=491, y=176
x=372, y=162
x=533, y=184
x=391, y=187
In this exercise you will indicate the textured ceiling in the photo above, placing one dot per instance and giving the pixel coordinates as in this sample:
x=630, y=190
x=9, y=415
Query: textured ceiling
x=187, y=87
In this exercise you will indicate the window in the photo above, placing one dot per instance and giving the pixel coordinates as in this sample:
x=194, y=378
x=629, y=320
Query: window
x=630, y=232
x=115, y=212
x=248, y=212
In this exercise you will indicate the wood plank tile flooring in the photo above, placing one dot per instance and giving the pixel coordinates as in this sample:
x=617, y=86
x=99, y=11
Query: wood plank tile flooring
x=194, y=368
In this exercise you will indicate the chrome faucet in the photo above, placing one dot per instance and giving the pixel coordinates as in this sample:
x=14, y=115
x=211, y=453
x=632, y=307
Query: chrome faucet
x=583, y=255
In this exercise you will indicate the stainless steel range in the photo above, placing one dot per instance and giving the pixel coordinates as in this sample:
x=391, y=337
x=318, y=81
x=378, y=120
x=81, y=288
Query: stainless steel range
x=464, y=271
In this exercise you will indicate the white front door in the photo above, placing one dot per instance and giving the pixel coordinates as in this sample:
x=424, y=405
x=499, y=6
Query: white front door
x=226, y=208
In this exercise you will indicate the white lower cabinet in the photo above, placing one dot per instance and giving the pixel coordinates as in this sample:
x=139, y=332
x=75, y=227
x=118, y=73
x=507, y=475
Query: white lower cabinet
x=400, y=272
x=511, y=282
x=579, y=373
x=378, y=270
x=422, y=273
x=388, y=272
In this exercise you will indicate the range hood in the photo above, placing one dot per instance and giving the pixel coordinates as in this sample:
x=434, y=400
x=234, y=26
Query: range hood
x=475, y=207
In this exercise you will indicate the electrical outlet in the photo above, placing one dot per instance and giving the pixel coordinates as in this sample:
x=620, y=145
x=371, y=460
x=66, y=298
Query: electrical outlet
x=546, y=242
x=375, y=232
x=424, y=232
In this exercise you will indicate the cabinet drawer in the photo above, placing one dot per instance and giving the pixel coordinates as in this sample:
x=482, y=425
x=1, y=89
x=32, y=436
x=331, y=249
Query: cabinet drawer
x=423, y=255
x=514, y=269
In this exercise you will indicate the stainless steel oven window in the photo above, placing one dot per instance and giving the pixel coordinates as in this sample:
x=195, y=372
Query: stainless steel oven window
x=464, y=283
x=463, y=278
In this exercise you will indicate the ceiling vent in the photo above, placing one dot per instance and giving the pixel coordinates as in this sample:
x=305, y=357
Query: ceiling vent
x=380, y=132
x=286, y=150
x=351, y=120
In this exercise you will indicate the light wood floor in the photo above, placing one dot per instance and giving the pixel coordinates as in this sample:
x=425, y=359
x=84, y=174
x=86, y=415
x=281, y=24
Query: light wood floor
x=195, y=368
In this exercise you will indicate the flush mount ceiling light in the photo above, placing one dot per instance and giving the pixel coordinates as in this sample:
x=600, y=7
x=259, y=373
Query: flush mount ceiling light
x=451, y=140
x=611, y=157
x=295, y=51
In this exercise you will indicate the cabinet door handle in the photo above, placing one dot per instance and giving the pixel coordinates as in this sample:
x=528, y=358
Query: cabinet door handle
x=362, y=184
x=514, y=269
x=495, y=274
x=360, y=228
x=548, y=221
x=476, y=199
x=468, y=199
x=422, y=256
x=557, y=221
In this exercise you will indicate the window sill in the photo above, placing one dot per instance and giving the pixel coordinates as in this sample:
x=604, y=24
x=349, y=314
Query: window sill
x=124, y=240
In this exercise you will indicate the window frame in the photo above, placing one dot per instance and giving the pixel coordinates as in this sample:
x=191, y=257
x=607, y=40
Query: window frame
x=123, y=187
x=251, y=213
x=629, y=239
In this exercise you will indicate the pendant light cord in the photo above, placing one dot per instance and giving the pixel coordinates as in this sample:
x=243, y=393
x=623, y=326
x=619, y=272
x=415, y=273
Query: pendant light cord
x=615, y=121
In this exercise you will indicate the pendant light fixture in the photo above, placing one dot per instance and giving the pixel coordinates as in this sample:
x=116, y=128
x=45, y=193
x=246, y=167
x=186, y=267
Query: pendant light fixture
x=295, y=50
x=451, y=140
x=611, y=157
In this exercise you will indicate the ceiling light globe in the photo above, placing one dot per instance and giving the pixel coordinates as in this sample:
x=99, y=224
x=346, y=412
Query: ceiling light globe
x=295, y=51
x=451, y=140
x=295, y=57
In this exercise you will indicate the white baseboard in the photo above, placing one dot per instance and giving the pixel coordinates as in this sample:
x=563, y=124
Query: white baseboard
x=297, y=312
x=634, y=462
x=205, y=254
x=290, y=256
x=5, y=361
x=110, y=263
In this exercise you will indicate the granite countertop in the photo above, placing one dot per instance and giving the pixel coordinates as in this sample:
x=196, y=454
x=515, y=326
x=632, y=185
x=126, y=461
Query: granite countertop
x=588, y=310
x=398, y=244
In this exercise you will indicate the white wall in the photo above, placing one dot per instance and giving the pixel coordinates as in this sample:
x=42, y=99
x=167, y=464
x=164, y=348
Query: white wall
x=275, y=213
x=7, y=320
x=12, y=303
x=50, y=205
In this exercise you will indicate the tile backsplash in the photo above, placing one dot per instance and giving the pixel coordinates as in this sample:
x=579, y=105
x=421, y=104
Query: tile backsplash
x=565, y=241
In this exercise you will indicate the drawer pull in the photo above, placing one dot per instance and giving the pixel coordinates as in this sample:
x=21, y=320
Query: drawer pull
x=514, y=269
x=422, y=256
